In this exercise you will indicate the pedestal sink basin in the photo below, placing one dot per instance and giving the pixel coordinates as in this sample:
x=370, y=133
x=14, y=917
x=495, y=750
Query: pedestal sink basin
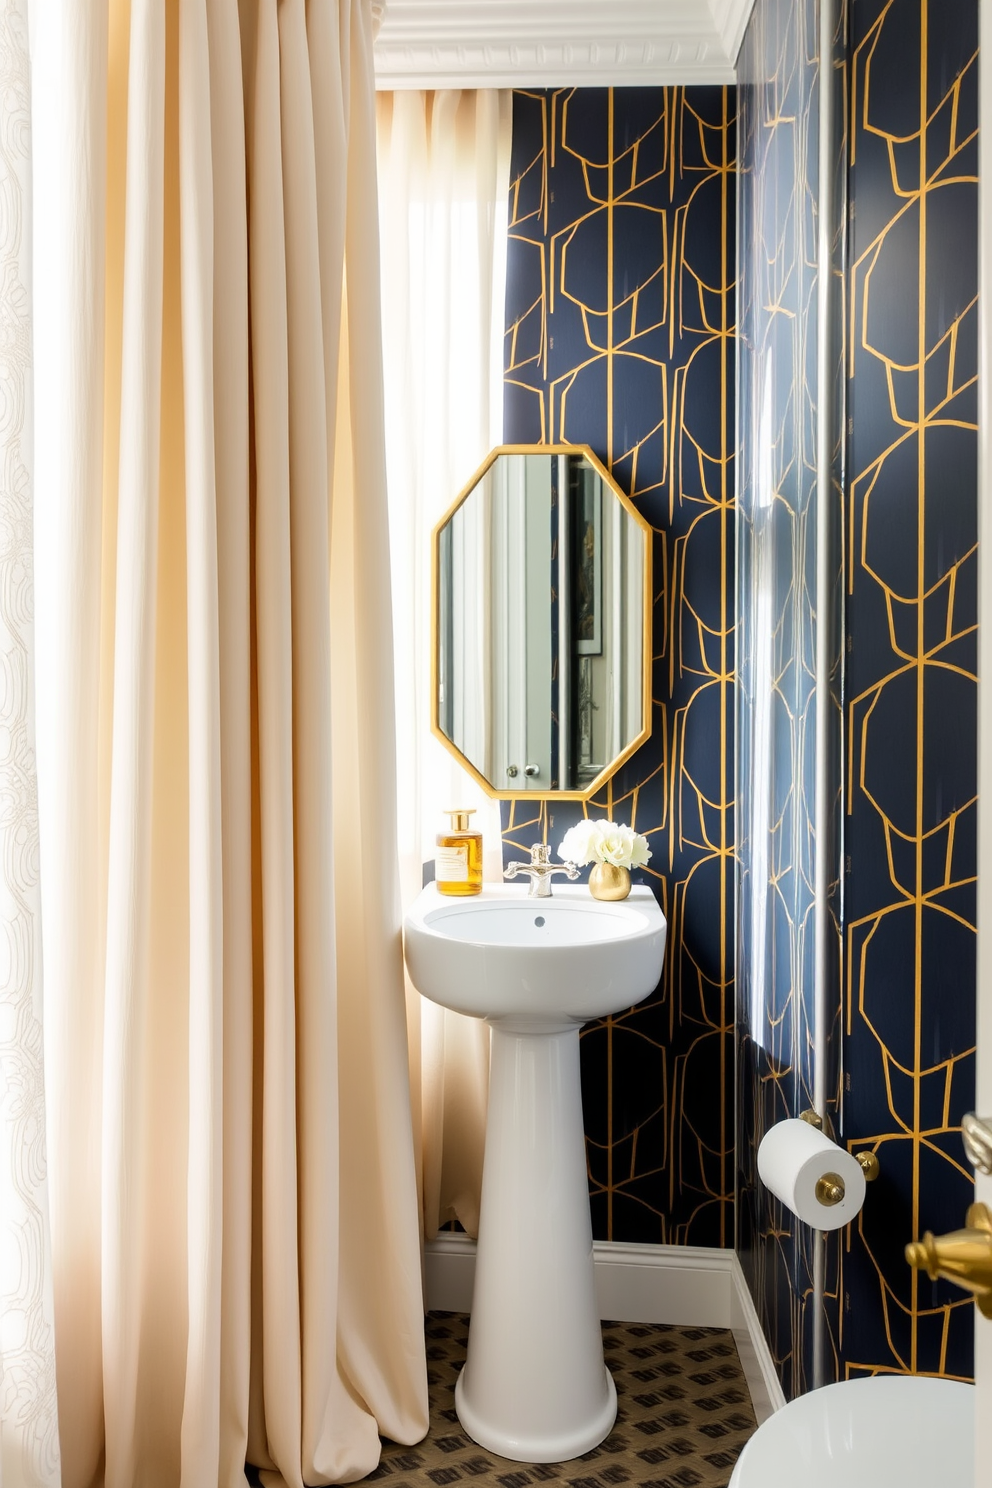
x=534, y=1387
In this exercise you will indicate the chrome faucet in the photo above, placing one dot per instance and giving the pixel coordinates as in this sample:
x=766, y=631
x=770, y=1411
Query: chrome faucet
x=539, y=869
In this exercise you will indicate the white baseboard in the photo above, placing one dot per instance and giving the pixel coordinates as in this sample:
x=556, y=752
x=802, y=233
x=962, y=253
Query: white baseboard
x=449, y=1273
x=762, y=1378
x=686, y=1284
x=690, y=1285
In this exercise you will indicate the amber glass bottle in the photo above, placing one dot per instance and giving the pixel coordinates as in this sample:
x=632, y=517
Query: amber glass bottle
x=458, y=859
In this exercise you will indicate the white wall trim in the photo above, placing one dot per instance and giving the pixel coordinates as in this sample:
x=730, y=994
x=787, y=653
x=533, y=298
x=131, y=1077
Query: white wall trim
x=558, y=43
x=689, y=1285
x=493, y=63
x=731, y=18
x=758, y=1365
x=449, y=1273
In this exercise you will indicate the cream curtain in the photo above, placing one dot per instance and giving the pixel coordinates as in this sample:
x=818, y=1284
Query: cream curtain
x=232, y=1184
x=444, y=163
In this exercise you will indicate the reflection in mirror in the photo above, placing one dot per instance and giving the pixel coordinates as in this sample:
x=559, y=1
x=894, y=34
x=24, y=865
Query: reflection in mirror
x=542, y=581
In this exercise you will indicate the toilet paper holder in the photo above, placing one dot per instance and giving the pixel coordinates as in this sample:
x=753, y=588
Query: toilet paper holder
x=830, y=1188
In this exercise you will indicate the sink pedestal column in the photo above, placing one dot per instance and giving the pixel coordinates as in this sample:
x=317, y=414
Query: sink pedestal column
x=534, y=1387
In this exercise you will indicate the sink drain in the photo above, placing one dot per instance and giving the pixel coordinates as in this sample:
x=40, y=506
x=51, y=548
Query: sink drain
x=538, y=920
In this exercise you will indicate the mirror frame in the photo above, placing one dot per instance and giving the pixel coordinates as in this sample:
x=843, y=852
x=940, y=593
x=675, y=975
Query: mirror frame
x=614, y=765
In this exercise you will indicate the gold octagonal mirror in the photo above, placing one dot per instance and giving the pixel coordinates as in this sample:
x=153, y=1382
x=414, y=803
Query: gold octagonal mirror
x=542, y=624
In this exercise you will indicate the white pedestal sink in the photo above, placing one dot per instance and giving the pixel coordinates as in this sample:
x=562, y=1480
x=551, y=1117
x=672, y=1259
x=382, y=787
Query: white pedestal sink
x=534, y=1387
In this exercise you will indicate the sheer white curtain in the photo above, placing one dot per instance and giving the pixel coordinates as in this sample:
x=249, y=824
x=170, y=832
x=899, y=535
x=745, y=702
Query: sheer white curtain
x=233, y=1196
x=29, y=1447
x=444, y=161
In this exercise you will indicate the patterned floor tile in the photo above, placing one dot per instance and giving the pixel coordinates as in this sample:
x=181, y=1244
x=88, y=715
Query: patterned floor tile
x=683, y=1415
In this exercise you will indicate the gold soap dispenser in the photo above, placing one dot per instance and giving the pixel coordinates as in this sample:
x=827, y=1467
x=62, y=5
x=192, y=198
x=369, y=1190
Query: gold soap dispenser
x=458, y=859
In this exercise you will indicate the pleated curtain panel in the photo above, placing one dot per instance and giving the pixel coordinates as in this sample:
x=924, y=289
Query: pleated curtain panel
x=226, y=1264
x=444, y=169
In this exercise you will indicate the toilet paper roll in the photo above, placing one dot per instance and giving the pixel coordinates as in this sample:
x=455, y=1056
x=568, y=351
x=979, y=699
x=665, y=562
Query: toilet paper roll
x=792, y=1157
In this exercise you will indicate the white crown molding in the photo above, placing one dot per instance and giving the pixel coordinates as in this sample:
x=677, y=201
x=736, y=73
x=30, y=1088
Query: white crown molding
x=730, y=18
x=557, y=43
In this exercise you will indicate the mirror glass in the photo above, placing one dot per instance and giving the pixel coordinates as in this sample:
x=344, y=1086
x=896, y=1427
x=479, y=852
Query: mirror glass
x=542, y=583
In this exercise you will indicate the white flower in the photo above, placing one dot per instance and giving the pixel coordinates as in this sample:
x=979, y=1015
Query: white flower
x=639, y=850
x=622, y=847
x=577, y=845
x=604, y=842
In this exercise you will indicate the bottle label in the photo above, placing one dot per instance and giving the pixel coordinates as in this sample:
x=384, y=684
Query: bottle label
x=451, y=864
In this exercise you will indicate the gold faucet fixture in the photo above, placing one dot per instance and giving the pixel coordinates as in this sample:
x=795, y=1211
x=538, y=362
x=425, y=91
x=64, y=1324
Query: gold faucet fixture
x=963, y=1256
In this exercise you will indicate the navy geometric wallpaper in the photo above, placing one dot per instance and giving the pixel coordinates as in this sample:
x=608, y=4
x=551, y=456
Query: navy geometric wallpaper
x=901, y=1072
x=620, y=334
x=778, y=119
x=622, y=281
x=911, y=690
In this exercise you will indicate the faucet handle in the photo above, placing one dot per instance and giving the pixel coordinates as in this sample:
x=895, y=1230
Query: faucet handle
x=540, y=869
x=963, y=1256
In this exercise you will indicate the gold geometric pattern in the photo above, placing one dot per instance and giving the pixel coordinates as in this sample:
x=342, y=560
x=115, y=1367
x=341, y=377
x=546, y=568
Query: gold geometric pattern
x=620, y=334
x=776, y=660
x=906, y=547
x=911, y=712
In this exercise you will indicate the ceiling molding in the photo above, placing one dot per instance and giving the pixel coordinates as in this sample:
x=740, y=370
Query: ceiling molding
x=731, y=18
x=558, y=43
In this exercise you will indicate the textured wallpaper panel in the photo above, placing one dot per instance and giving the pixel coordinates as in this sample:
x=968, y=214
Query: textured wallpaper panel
x=901, y=1026
x=911, y=681
x=777, y=427
x=620, y=334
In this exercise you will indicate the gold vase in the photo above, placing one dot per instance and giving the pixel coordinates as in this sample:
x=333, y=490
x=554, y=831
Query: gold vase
x=607, y=881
